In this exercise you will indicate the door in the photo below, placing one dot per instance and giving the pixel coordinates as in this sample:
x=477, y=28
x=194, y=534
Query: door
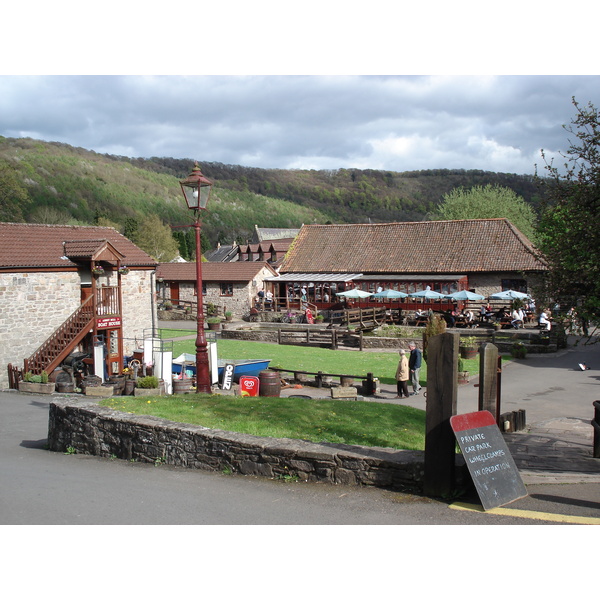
x=175, y=292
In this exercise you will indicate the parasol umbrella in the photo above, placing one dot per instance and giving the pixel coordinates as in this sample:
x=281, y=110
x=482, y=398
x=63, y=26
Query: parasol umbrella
x=465, y=295
x=355, y=293
x=427, y=294
x=390, y=294
x=509, y=295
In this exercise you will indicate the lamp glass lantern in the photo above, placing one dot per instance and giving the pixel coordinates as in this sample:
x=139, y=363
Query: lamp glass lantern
x=196, y=189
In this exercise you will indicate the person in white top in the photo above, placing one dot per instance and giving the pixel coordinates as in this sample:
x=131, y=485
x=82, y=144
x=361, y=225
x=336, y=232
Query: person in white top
x=544, y=320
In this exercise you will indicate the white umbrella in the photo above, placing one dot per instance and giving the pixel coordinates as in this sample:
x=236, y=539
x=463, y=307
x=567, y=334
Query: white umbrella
x=428, y=294
x=509, y=295
x=390, y=294
x=465, y=295
x=355, y=293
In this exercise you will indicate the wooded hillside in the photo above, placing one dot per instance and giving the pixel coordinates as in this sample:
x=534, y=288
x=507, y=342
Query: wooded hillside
x=73, y=185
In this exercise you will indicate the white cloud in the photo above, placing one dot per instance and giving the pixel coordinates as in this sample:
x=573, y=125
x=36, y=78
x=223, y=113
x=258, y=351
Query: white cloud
x=496, y=123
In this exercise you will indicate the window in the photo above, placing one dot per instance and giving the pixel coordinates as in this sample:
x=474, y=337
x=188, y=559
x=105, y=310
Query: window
x=226, y=289
x=518, y=285
x=203, y=289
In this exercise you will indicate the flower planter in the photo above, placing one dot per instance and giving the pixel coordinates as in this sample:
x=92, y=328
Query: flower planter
x=99, y=391
x=36, y=388
x=468, y=351
x=214, y=326
x=463, y=377
x=146, y=392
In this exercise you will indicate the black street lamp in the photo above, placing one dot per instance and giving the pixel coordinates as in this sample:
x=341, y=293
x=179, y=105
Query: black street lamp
x=196, y=189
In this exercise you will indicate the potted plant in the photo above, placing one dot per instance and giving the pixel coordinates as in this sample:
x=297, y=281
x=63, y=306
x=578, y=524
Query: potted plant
x=98, y=270
x=544, y=339
x=228, y=315
x=36, y=384
x=468, y=346
x=123, y=270
x=518, y=350
x=463, y=374
x=319, y=319
x=214, y=323
x=147, y=386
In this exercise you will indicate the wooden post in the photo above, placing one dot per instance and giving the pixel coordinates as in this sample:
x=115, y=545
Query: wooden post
x=442, y=386
x=488, y=378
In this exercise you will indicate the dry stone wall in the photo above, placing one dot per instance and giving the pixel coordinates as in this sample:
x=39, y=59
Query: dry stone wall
x=101, y=431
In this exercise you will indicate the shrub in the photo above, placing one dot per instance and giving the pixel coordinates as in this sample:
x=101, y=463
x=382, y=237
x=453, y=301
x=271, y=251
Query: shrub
x=44, y=377
x=148, y=382
x=469, y=341
x=518, y=350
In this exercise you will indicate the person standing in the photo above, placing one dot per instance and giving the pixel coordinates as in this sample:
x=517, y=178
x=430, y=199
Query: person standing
x=414, y=365
x=402, y=375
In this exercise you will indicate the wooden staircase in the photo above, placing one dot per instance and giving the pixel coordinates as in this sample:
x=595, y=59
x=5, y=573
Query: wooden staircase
x=60, y=344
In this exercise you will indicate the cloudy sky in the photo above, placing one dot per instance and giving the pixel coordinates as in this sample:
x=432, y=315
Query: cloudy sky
x=277, y=116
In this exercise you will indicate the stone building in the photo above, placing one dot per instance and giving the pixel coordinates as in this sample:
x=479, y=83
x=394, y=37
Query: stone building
x=230, y=286
x=71, y=288
x=481, y=255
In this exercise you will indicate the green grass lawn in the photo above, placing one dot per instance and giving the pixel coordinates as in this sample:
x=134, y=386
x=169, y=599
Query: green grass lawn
x=300, y=358
x=356, y=423
x=362, y=423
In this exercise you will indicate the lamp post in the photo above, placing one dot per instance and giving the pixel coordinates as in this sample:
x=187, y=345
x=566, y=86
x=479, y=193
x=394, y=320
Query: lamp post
x=196, y=190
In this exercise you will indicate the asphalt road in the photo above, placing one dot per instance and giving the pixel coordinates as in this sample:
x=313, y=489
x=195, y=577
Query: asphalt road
x=39, y=487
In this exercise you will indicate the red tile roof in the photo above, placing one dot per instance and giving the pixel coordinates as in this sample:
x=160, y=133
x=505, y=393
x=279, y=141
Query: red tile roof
x=477, y=245
x=228, y=271
x=31, y=245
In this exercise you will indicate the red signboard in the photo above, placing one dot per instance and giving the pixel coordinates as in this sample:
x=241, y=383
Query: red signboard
x=108, y=322
x=488, y=459
x=249, y=385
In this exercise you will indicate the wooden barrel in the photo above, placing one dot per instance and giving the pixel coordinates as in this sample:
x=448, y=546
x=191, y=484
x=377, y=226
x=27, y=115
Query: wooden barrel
x=118, y=383
x=129, y=387
x=269, y=383
x=182, y=386
x=65, y=387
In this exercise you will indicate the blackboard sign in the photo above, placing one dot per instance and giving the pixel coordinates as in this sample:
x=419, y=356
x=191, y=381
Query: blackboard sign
x=228, y=370
x=488, y=459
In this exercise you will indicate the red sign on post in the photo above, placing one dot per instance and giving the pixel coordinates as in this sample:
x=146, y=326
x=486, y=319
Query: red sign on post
x=108, y=322
x=249, y=385
x=488, y=459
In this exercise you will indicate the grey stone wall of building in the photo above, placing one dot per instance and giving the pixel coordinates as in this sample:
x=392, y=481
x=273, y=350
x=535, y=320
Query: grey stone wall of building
x=101, y=431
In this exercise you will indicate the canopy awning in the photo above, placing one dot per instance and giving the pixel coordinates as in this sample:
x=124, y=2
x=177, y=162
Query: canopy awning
x=326, y=277
x=411, y=277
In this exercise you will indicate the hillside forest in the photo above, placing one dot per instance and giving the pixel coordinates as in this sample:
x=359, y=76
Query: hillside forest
x=50, y=182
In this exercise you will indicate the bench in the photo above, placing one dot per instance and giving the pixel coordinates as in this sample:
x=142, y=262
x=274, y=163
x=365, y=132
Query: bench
x=320, y=378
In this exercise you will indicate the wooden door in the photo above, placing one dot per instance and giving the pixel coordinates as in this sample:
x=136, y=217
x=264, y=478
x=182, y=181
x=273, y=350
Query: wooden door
x=174, y=292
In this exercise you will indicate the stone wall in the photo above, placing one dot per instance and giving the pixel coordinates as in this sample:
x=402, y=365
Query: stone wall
x=32, y=306
x=101, y=431
x=139, y=308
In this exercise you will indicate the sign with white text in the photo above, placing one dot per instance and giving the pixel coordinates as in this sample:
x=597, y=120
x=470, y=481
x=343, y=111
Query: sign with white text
x=108, y=322
x=228, y=370
x=488, y=459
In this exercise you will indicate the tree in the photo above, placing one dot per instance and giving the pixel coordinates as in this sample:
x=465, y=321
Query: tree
x=569, y=232
x=14, y=199
x=489, y=202
x=155, y=238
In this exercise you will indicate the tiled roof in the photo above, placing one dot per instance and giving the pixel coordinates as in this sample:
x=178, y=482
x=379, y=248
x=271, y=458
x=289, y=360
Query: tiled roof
x=477, y=245
x=227, y=271
x=31, y=245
